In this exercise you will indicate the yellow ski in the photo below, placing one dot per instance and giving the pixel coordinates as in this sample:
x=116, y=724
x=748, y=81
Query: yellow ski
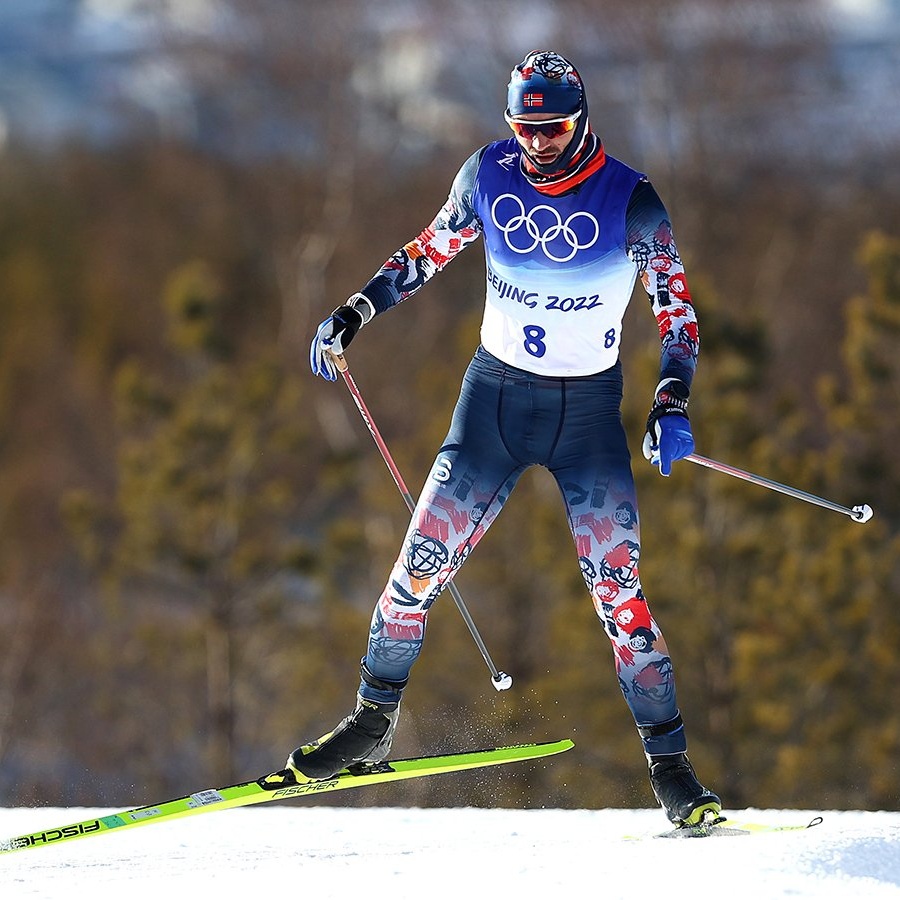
x=283, y=785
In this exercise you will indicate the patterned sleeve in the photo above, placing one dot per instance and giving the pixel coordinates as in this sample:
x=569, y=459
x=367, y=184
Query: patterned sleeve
x=651, y=245
x=454, y=227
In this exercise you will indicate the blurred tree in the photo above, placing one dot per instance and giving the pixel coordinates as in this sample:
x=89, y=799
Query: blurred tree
x=208, y=474
x=825, y=673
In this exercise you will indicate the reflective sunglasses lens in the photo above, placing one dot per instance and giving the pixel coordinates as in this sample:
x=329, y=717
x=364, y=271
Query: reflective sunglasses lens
x=550, y=130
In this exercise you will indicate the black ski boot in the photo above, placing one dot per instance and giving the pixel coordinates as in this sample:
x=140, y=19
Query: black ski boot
x=364, y=736
x=684, y=799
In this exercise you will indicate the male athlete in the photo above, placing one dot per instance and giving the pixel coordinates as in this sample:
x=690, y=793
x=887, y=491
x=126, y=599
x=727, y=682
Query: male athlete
x=566, y=230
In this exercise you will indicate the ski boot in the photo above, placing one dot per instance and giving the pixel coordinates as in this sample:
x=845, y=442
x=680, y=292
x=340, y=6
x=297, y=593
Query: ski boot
x=365, y=736
x=684, y=799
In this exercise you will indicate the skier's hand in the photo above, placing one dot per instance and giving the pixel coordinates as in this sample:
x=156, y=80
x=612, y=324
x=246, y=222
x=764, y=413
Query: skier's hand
x=668, y=436
x=668, y=439
x=333, y=336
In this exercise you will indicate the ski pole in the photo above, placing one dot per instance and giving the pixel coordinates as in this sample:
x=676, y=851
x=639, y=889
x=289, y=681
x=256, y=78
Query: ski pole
x=860, y=513
x=500, y=680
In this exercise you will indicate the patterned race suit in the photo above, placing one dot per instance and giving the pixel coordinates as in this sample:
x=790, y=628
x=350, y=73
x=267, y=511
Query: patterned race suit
x=544, y=388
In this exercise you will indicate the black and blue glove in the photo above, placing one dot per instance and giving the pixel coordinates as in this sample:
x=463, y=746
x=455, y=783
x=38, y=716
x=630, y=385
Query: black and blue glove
x=333, y=336
x=668, y=436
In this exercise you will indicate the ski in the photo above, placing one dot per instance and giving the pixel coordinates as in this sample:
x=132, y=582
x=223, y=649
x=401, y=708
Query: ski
x=283, y=785
x=724, y=827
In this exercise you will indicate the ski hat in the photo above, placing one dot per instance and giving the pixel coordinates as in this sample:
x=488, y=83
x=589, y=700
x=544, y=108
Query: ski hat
x=544, y=81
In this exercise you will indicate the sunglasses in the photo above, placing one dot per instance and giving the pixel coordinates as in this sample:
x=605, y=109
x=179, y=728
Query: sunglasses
x=549, y=128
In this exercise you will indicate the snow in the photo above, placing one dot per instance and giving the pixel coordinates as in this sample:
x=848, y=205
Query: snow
x=335, y=852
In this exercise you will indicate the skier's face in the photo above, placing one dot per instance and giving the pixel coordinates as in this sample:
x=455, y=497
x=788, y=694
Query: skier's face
x=543, y=136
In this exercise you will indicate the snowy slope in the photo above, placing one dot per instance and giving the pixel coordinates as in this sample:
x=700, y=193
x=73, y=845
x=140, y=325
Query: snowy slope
x=394, y=854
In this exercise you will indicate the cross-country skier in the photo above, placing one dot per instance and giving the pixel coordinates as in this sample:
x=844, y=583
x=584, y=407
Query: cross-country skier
x=567, y=229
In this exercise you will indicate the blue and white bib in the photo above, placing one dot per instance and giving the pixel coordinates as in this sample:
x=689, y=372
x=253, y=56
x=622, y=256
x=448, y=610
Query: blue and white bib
x=558, y=275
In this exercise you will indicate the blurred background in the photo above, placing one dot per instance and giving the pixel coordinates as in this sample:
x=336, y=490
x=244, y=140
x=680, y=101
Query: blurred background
x=193, y=530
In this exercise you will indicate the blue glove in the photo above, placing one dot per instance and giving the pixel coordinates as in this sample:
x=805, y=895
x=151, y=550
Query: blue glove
x=668, y=439
x=668, y=436
x=333, y=336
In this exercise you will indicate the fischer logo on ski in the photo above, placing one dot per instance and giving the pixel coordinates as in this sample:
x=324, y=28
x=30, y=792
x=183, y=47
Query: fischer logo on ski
x=54, y=835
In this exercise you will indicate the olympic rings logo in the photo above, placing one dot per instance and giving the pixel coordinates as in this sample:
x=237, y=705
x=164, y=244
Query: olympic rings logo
x=561, y=234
